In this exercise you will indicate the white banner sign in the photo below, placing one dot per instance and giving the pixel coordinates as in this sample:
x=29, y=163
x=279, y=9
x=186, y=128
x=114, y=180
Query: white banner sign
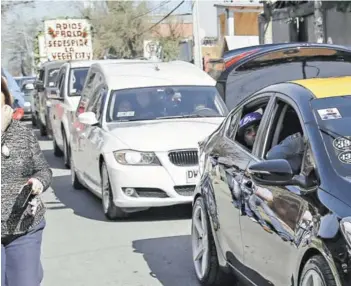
x=68, y=39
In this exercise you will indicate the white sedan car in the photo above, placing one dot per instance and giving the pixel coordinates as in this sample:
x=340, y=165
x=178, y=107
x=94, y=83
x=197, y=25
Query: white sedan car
x=135, y=141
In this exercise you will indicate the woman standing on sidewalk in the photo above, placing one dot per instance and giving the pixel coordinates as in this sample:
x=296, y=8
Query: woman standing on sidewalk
x=22, y=221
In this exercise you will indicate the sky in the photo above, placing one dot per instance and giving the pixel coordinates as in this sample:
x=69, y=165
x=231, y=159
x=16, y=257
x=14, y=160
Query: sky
x=53, y=9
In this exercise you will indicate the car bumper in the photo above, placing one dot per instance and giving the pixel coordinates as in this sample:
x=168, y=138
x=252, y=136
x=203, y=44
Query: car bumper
x=153, y=185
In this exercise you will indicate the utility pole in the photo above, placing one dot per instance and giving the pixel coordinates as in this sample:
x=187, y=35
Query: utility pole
x=318, y=22
x=196, y=33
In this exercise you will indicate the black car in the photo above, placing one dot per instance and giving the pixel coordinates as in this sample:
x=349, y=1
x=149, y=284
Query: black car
x=249, y=69
x=286, y=219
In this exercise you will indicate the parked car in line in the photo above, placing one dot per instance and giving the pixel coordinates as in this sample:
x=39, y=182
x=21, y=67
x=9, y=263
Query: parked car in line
x=64, y=103
x=249, y=69
x=44, y=86
x=65, y=100
x=21, y=79
x=138, y=122
x=27, y=89
x=278, y=218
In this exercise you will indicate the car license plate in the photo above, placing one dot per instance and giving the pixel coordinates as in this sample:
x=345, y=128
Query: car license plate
x=191, y=176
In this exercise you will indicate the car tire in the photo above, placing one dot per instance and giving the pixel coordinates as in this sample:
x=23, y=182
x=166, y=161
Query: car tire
x=208, y=273
x=111, y=211
x=42, y=128
x=66, y=151
x=34, y=122
x=57, y=150
x=317, y=269
x=76, y=184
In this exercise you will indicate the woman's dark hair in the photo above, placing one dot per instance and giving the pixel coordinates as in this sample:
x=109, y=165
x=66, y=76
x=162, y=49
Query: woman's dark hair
x=6, y=92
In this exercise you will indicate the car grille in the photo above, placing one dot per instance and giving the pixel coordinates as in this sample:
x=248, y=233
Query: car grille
x=150, y=193
x=185, y=190
x=184, y=158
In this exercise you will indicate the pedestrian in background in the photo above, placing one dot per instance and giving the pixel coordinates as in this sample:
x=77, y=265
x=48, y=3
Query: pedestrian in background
x=22, y=220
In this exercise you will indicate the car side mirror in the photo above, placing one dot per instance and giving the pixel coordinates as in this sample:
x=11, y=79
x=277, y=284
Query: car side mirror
x=272, y=173
x=88, y=118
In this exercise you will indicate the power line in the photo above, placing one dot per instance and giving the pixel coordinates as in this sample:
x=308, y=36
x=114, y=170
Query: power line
x=164, y=18
x=148, y=12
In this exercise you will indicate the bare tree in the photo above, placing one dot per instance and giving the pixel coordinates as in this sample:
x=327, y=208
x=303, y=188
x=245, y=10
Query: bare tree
x=6, y=5
x=168, y=34
x=18, y=44
x=118, y=31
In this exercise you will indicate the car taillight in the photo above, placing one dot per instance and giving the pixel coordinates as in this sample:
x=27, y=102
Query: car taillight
x=18, y=114
x=239, y=57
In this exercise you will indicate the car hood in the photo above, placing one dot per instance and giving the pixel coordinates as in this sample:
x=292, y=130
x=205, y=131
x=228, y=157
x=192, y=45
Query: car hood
x=164, y=135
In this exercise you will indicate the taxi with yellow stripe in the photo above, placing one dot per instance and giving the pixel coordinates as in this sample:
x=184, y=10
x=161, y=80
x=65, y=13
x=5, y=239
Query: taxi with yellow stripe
x=273, y=204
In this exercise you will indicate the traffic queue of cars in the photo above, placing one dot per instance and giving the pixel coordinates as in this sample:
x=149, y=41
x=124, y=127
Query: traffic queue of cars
x=141, y=134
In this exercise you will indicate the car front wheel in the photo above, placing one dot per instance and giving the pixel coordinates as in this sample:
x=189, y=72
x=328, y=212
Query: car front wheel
x=317, y=273
x=205, y=259
x=111, y=211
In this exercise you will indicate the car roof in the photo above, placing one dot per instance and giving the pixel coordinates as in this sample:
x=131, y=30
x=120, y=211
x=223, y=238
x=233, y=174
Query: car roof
x=327, y=87
x=146, y=73
x=52, y=64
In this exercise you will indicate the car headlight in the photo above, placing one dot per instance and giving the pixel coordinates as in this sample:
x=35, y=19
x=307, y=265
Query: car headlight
x=345, y=225
x=131, y=157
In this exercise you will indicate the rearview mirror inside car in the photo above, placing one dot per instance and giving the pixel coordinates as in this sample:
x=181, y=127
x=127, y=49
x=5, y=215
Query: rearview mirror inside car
x=88, y=118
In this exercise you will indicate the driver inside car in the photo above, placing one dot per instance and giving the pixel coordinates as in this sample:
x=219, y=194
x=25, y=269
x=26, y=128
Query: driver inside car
x=248, y=127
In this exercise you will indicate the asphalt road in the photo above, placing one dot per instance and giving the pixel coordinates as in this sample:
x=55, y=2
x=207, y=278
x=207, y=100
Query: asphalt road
x=82, y=248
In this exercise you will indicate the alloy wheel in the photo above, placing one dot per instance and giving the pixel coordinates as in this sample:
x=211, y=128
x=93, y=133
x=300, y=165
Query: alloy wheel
x=105, y=190
x=200, y=245
x=312, y=278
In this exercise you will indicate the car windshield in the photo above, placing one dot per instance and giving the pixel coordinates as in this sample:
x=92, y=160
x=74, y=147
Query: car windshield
x=77, y=79
x=334, y=119
x=153, y=103
x=52, y=76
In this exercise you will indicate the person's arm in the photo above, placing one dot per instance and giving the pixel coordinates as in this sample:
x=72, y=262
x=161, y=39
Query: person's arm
x=42, y=171
x=288, y=148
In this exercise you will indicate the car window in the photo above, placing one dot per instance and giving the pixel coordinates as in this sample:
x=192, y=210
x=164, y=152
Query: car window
x=284, y=136
x=52, y=76
x=99, y=105
x=165, y=102
x=250, y=122
x=61, y=83
x=76, y=80
x=284, y=123
x=232, y=125
x=41, y=75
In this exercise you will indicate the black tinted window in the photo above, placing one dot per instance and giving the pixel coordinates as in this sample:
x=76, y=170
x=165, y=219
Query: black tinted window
x=270, y=69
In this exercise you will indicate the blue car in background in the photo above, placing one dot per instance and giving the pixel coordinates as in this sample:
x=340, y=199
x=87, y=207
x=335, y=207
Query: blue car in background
x=14, y=89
